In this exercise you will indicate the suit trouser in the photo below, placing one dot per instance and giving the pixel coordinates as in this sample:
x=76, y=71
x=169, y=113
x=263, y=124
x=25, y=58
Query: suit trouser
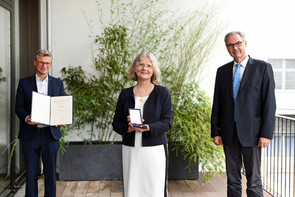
x=236, y=155
x=42, y=144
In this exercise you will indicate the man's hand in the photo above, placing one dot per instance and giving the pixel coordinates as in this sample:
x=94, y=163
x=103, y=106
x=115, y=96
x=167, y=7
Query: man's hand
x=30, y=122
x=263, y=142
x=217, y=140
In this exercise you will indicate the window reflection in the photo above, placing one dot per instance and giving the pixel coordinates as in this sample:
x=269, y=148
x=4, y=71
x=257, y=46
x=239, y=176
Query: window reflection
x=5, y=65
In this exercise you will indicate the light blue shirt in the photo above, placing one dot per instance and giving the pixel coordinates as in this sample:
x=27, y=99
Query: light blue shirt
x=42, y=86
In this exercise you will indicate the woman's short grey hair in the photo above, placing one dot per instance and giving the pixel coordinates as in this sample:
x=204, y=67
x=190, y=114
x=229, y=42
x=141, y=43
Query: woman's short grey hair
x=157, y=72
x=234, y=33
x=42, y=53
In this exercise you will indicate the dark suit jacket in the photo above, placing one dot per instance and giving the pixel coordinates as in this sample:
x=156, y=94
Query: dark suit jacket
x=157, y=114
x=255, y=104
x=24, y=104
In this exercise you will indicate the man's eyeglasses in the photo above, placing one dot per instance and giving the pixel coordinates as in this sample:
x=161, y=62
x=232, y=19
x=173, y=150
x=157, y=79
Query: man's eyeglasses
x=237, y=44
x=46, y=63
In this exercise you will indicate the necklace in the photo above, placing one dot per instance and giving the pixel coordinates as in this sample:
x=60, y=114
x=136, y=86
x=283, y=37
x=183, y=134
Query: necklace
x=142, y=93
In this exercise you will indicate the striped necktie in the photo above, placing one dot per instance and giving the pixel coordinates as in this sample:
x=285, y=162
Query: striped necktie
x=237, y=80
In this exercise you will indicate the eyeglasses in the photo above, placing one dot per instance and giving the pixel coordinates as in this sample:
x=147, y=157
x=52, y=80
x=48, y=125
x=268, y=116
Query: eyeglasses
x=149, y=66
x=237, y=44
x=42, y=63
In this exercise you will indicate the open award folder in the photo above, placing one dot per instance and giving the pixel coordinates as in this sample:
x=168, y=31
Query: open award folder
x=52, y=110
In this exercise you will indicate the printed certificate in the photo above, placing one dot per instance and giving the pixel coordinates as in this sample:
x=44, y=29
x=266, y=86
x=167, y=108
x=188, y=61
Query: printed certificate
x=52, y=110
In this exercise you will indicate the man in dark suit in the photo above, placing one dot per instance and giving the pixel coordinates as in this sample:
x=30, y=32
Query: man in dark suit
x=243, y=114
x=38, y=139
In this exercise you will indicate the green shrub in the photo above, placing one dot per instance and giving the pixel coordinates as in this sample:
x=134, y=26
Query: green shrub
x=183, y=44
x=95, y=95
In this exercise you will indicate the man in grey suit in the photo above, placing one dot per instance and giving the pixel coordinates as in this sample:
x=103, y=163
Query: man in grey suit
x=243, y=114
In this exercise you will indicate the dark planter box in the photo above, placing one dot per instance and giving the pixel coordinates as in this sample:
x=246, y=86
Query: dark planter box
x=177, y=171
x=91, y=162
x=104, y=162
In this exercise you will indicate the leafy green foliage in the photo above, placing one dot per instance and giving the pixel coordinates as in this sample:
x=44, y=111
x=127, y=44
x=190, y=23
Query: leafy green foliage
x=190, y=133
x=95, y=95
x=10, y=149
x=183, y=44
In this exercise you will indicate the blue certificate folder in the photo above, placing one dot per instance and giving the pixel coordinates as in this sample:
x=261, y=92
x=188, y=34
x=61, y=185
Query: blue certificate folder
x=52, y=110
x=135, y=118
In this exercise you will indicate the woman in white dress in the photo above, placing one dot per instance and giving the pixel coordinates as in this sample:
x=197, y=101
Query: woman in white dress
x=144, y=150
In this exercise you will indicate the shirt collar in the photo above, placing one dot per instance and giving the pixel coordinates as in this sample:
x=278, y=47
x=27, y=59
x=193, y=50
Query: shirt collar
x=39, y=79
x=244, y=62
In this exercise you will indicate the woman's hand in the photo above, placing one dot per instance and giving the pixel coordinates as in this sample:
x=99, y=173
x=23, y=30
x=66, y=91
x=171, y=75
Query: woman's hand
x=141, y=130
x=132, y=128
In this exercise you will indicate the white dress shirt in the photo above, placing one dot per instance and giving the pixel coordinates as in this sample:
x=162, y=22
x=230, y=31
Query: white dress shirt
x=243, y=67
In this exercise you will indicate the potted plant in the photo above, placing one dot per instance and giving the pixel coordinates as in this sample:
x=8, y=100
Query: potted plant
x=95, y=98
x=190, y=135
x=183, y=46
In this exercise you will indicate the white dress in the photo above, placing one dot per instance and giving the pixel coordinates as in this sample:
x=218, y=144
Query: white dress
x=144, y=168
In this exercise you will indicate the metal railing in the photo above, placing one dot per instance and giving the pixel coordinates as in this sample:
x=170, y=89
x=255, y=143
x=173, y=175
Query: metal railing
x=277, y=162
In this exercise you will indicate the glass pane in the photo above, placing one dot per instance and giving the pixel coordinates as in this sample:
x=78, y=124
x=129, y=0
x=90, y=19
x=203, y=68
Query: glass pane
x=289, y=145
x=290, y=80
x=4, y=93
x=290, y=64
x=278, y=80
x=274, y=148
x=276, y=63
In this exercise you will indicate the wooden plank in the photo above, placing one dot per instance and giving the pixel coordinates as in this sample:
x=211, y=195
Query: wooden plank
x=212, y=194
x=183, y=186
x=41, y=188
x=60, y=187
x=194, y=185
x=105, y=189
x=116, y=186
x=189, y=194
x=116, y=194
x=218, y=183
x=93, y=186
x=92, y=194
x=82, y=189
x=70, y=189
x=174, y=189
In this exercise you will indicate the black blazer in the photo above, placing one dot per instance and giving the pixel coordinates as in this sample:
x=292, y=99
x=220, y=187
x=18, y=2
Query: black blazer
x=255, y=104
x=23, y=104
x=157, y=114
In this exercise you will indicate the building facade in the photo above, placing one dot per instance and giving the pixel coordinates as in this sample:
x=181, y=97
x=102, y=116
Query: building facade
x=61, y=26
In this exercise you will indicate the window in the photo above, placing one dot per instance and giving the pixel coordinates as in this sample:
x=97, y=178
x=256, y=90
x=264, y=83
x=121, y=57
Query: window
x=284, y=73
x=5, y=64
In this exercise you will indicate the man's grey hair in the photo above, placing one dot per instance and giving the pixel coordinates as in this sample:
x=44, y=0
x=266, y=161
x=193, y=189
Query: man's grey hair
x=43, y=53
x=234, y=33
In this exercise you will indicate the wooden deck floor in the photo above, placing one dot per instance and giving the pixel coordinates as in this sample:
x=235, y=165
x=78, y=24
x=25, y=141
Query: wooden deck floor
x=176, y=188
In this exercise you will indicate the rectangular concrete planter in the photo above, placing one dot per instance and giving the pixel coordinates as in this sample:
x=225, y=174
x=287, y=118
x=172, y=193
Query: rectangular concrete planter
x=104, y=162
